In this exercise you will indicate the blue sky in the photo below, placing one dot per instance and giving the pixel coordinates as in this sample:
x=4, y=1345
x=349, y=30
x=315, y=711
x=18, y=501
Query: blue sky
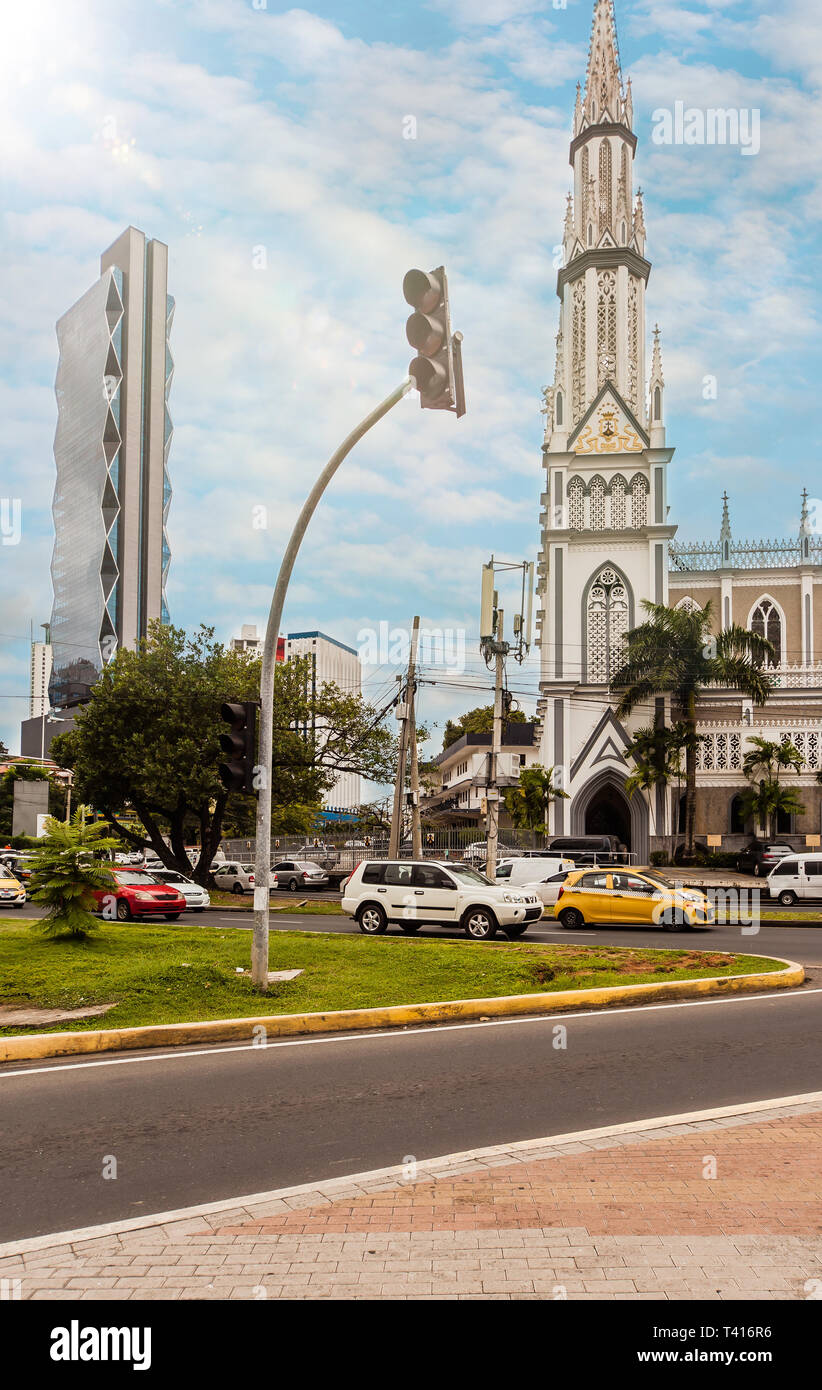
x=221, y=126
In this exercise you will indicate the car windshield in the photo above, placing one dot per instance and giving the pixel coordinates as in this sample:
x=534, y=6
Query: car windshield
x=134, y=879
x=658, y=878
x=469, y=875
x=167, y=876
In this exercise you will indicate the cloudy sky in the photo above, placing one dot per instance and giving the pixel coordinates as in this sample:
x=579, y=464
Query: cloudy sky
x=266, y=146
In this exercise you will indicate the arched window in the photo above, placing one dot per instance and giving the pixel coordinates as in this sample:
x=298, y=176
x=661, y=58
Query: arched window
x=737, y=816
x=606, y=624
x=558, y=409
x=657, y=403
x=639, y=501
x=597, y=512
x=766, y=620
x=619, y=488
x=688, y=603
x=576, y=504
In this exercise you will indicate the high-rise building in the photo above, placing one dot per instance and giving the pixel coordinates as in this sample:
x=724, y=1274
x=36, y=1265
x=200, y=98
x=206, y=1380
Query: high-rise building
x=330, y=661
x=111, y=446
x=39, y=678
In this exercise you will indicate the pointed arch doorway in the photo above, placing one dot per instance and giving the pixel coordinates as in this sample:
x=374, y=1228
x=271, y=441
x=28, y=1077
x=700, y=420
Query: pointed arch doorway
x=603, y=808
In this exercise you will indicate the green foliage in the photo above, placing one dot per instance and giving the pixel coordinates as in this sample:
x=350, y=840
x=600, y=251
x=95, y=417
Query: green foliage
x=477, y=721
x=676, y=653
x=65, y=874
x=528, y=804
x=766, y=797
x=148, y=743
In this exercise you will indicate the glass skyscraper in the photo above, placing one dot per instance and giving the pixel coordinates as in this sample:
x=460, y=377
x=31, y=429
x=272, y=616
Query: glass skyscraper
x=111, y=447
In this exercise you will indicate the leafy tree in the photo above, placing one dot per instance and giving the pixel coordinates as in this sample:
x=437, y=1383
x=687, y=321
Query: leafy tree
x=148, y=742
x=477, y=721
x=65, y=874
x=656, y=752
x=766, y=797
x=676, y=653
x=528, y=804
x=27, y=772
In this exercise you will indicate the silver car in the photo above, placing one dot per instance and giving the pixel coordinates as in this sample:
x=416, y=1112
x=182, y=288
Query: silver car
x=197, y=898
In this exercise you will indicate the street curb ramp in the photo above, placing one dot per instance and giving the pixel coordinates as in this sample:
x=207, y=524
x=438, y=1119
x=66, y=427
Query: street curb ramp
x=35, y=1046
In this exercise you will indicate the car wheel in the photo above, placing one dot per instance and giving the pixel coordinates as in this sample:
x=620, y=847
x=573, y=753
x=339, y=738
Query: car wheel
x=123, y=910
x=293, y=885
x=171, y=916
x=372, y=919
x=571, y=918
x=237, y=889
x=479, y=924
x=787, y=898
x=410, y=927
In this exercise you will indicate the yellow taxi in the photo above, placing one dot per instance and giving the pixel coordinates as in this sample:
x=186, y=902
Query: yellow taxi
x=12, y=893
x=639, y=897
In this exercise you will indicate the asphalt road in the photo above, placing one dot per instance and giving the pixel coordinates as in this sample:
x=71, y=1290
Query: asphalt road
x=223, y=1122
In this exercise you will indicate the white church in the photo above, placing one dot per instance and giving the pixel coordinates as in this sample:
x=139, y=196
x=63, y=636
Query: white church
x=608, y=535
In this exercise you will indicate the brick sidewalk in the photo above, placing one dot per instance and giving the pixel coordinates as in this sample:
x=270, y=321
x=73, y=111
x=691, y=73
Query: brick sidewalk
x=729, y=1207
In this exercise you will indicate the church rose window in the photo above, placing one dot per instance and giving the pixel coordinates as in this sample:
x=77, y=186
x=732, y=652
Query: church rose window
x=639, y=501
x=607, y=623
x=767, y=622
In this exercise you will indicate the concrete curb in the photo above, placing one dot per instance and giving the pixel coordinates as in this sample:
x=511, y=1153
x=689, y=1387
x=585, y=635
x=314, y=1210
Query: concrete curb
x=40, y=1045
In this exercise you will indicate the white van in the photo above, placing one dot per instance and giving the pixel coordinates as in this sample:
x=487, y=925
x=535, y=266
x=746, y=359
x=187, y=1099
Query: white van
x=521, y=871
x=796, y=876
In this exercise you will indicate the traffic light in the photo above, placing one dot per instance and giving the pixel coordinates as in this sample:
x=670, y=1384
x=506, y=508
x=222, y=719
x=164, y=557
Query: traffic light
x=237, y=772
x=437, y=369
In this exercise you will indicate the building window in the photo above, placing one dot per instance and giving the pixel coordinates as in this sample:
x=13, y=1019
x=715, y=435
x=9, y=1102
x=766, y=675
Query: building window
x=597, y=492
x=767, y=621
x=558, y=412
x=737, y=816
x=619, y=487
x=576, y=504
x=657, y=403
x=639, y=501
x=606, y=625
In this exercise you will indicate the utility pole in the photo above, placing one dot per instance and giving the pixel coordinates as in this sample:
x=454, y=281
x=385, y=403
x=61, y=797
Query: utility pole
x=492, y=791
x=416, y=828
x=407, y=731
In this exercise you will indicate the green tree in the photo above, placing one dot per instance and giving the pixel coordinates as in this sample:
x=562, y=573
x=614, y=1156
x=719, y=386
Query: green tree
x=766, y=797
x=676, y=653
x=147, y=743
x=477, y=721
x=27, y=772
x=529, y=803
x=65, y=874
x=656, y=752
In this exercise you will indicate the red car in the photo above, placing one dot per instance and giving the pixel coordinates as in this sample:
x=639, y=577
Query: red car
x=137, y=894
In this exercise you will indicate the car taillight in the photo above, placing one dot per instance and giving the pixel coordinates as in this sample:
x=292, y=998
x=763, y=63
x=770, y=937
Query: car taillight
x=560, y=893
x=251, y=878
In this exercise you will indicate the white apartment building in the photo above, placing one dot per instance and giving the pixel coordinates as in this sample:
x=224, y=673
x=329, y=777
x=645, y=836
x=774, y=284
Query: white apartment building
x=464, y=770
x=331, y=661
x=39, y=679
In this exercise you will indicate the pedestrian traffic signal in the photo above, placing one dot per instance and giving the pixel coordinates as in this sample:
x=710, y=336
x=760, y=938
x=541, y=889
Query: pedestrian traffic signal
x=237, y=772
x=437, y=368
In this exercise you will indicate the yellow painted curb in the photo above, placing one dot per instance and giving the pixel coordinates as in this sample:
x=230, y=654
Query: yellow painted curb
x=31, y=1046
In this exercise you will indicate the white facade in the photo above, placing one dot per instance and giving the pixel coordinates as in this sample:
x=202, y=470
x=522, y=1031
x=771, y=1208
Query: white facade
x=463, y=770
x=607, y=541
x=331, y=661
x=248, y=641
x=39, y=679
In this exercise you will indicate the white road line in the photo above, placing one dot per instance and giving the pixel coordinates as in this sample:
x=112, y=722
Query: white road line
x=382, y=1035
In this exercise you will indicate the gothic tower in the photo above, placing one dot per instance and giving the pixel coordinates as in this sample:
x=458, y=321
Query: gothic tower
x=605, y=529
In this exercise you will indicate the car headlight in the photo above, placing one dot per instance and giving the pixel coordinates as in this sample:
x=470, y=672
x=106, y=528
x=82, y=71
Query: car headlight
x=513, y=898
x=145, y=897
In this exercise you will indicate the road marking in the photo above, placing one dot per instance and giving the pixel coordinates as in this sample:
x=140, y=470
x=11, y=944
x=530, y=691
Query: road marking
x=375, y=1034
x=427, y=1168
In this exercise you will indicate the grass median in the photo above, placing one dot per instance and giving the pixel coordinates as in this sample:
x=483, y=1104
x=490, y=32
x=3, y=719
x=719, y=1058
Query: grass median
x=176, y=974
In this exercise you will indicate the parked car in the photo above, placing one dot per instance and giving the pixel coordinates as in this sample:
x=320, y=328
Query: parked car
x=796, y=876
x=137, y=894
x=232, y=876
x=197, y=897
x=12, y=892
x=548, y=889
x=629, y=896
x=760, y=856
x=590, y=849
x=298, y=873
x=416, y=893
x=19, y=865
x=477, y=853
x=518, y=872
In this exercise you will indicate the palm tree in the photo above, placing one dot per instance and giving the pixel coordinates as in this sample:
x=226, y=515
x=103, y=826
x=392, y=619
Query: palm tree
x=676, y=653
x=528, y=804
x=655, y=752
x=766, y=796
x=65, y=874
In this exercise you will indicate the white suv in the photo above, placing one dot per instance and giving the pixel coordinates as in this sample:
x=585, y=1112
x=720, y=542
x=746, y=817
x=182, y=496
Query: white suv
x=414, y=894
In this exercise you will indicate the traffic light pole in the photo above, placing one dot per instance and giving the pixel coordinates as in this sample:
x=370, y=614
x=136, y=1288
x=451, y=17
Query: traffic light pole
x=496, y=744
x=262, y=873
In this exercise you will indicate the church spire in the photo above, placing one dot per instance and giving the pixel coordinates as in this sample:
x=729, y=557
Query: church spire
x=725, y=532
x=656, y=388
x=604, y=100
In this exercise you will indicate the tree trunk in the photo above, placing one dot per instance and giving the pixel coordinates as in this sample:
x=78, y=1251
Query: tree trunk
x=690, y=783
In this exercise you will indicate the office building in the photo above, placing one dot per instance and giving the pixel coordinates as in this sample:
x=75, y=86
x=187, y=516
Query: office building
x=330, y=661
